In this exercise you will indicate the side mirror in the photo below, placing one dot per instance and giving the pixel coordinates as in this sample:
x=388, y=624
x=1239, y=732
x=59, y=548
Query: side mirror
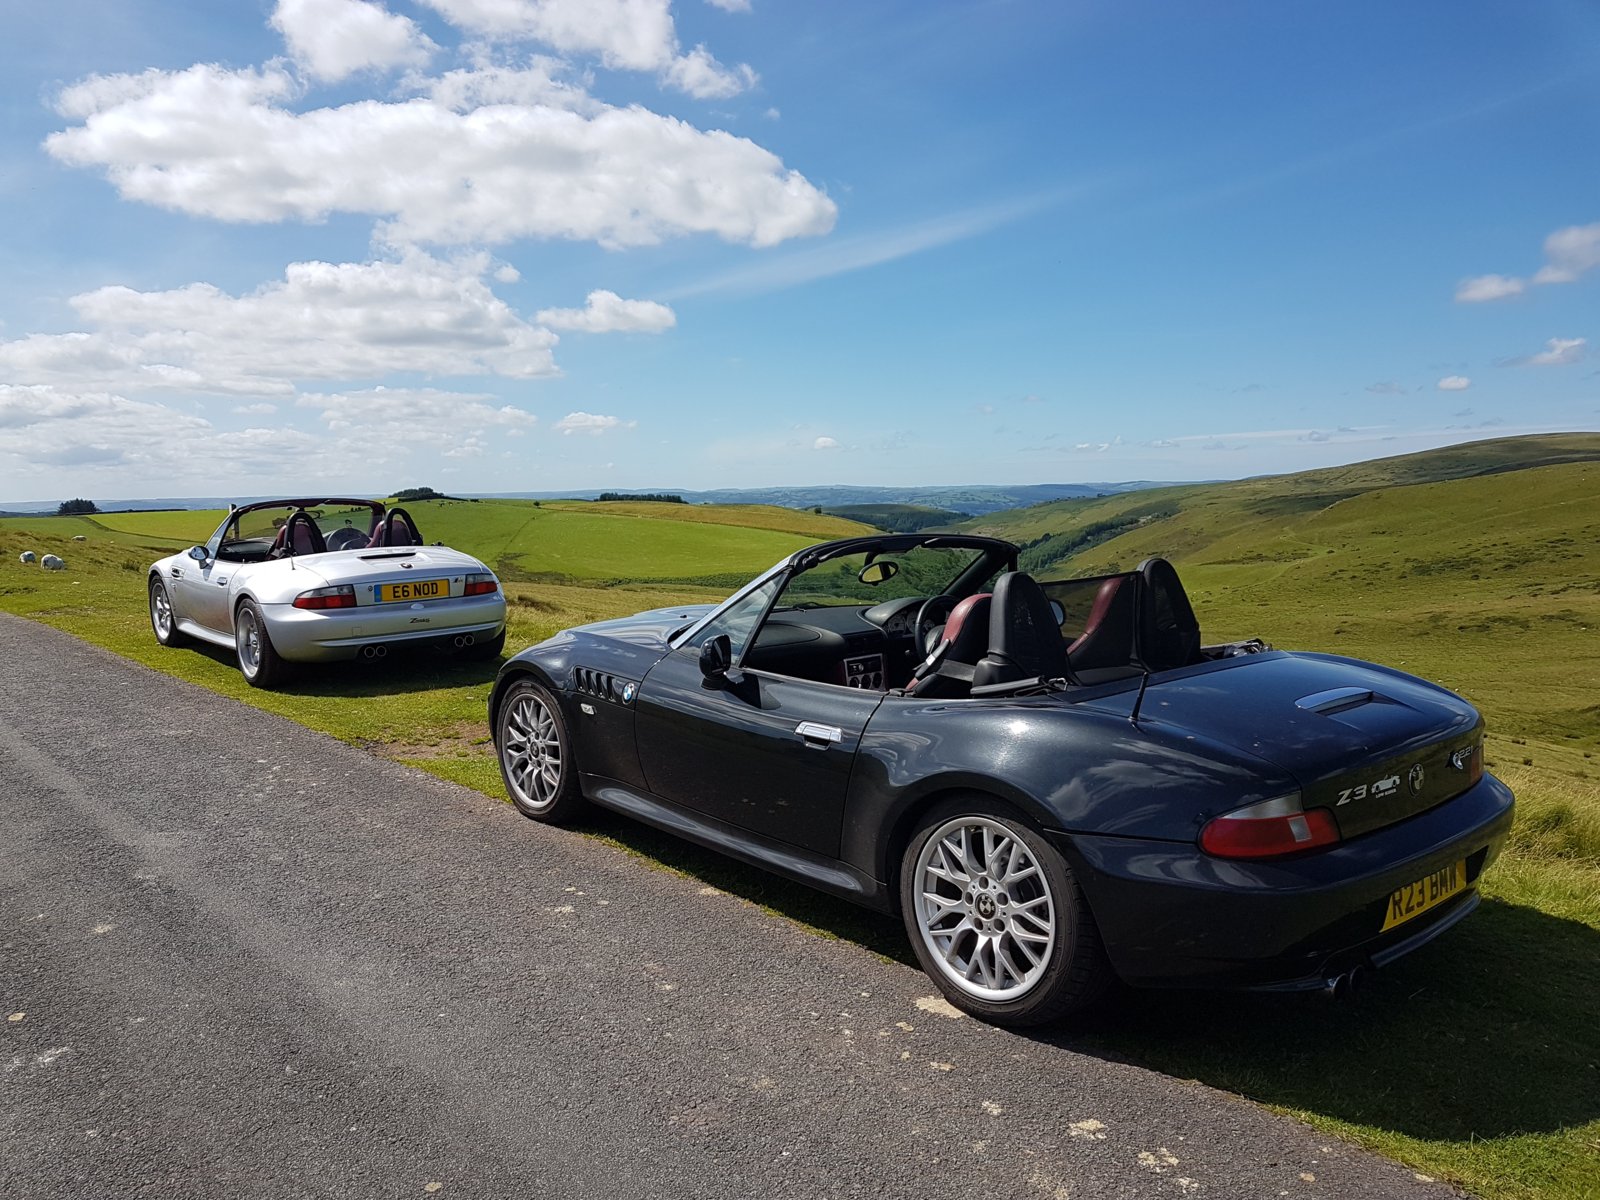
x=1059, y=613
x=716, y=656
x=198, y=553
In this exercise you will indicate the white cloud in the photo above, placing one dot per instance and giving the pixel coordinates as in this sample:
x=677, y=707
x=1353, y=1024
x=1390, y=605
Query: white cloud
x=630, y=35
x=704, y=77
x=1569, y=253
x=333, y=39
x=1453, y=383
x=322, y=321
x=255, y=410
x=733, y=6
x=140, y=443
x=607, y=312
x=1558, y=352
x=826, y=443
x=593, y=424
x=1488, y=287
x=217, y=143
x=451, y=420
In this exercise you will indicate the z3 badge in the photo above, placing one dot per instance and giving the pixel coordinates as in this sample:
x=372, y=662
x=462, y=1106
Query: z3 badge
x=1377, y=789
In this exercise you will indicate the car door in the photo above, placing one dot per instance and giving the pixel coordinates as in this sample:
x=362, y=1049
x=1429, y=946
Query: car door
x=765, y=752
x=200, y=591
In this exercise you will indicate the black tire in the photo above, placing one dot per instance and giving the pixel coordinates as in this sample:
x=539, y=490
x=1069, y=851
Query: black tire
x=163, y=617
x=535, y=754
x=259, y=661
x=485, y=648
x=998, y=928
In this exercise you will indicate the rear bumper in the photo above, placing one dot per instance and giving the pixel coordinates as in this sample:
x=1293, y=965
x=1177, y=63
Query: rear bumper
x=329, y=635
x=1173, y=916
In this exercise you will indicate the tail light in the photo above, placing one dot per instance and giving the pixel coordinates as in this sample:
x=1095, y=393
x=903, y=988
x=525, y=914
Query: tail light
x=343, y=596
x=481, y=584
x=1269, y=829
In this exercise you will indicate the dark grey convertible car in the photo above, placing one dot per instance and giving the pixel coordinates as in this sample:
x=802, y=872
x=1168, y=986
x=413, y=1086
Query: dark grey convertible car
x=1056, y=784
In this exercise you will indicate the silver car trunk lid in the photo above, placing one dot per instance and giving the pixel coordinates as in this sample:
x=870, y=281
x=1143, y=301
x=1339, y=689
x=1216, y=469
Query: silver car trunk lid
x=425, y=572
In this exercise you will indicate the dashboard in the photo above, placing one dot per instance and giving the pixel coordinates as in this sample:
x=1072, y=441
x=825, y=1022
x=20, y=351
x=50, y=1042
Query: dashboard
x=865, y=647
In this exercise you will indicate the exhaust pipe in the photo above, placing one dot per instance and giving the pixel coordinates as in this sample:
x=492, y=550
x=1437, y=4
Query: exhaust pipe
x=374, y=651
x=463, y=640
x=1343, y=987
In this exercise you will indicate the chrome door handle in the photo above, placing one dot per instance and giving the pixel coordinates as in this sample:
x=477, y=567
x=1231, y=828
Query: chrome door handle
x=176, y=573
x=819, y=736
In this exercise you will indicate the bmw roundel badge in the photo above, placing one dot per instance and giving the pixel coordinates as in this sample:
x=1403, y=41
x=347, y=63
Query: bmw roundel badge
x=628, y=691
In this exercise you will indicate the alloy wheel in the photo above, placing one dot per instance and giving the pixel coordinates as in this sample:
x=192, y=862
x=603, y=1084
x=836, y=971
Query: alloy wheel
x=531, y=750
x=984, y=908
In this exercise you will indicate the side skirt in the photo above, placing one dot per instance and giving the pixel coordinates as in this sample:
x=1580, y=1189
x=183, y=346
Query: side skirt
x=825, y=874
x=195, y=630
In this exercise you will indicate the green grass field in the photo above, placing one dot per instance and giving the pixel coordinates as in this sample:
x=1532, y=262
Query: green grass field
x=1475, y=1060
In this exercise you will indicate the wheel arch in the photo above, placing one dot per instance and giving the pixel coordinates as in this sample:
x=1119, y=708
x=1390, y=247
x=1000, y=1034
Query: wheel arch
x=907, y=815
x=513, y=672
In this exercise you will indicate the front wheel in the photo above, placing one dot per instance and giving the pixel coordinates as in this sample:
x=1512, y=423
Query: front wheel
x=997, y=918
x=259, y=660
x=536, y=754
x=162, y=617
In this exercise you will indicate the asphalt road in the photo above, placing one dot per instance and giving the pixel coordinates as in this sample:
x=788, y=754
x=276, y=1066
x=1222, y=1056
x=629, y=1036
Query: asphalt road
x=252, y=961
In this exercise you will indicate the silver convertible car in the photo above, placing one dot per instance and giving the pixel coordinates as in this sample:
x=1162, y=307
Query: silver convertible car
x=322, y=580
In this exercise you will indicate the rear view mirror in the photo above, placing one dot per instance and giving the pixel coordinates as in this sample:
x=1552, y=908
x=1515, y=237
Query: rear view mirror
x=716, y=656
x=875, y=573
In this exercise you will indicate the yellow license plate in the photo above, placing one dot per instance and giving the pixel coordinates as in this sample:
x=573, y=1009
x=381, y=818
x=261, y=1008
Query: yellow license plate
x=1417, y=898
x=414, y=589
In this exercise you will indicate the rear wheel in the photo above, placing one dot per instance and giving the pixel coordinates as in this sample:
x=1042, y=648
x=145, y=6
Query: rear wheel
x=259, y=660
x=997, y=918
x=536, y=754
x=162, y=618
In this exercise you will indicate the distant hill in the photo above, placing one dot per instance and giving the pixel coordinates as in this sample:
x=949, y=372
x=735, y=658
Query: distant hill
x=898, y=518
x=973, y=499
x=1181, y=521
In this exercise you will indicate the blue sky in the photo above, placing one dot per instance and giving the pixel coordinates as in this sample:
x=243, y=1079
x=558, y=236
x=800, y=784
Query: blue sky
x=495, y=245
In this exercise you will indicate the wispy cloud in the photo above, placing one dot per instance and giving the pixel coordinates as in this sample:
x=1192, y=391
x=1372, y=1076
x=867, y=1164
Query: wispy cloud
x=842, y=255
x=1557, y=352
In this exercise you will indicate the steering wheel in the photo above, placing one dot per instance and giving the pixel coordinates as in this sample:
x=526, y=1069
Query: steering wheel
x=346, y=537
x=935, y=611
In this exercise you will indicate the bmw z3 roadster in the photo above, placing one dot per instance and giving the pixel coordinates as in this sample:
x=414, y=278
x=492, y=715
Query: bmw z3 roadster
x=320, y=580
x=1056, y=784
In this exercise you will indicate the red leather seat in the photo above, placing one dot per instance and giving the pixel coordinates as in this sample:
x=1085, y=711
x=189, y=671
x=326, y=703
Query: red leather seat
x=948, y=670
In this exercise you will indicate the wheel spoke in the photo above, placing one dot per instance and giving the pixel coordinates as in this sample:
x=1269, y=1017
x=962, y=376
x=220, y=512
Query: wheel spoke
x=984, y=908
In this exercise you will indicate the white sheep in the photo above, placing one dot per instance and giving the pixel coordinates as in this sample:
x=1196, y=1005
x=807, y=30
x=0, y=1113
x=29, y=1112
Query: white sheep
x=51, y=563
x=29, y=556
x=80, y=537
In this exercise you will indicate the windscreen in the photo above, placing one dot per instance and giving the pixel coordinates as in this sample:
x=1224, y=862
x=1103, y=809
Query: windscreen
x=846, y=580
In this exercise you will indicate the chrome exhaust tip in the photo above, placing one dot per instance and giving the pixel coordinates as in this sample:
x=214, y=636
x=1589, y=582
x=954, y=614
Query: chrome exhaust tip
x=374, y=651
x=1343, y=987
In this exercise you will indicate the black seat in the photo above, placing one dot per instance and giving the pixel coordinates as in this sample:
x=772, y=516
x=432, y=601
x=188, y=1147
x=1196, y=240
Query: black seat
x=1169, y=632
x=948, y=670
x=298, y=535
x=1024, y=638
x=397, y=529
